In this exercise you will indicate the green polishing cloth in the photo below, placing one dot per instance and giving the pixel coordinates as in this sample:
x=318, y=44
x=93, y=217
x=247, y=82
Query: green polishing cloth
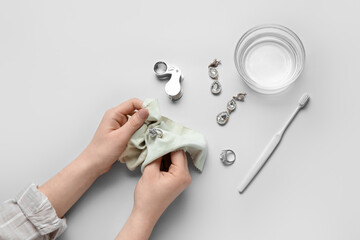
x=160, y=136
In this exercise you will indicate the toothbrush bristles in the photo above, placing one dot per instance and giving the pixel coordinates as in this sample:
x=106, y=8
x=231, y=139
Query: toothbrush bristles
x=304, y=100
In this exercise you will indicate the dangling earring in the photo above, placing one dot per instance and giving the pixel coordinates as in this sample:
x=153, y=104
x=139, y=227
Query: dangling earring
x=223, y=117
x=214, y=74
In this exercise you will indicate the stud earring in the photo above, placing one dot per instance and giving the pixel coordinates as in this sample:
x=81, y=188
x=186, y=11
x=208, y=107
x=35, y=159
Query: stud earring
x=223, y=117
x=214, y=74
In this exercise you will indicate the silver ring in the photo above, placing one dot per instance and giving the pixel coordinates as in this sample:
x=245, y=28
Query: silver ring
x=224, y=157
x=155, y=132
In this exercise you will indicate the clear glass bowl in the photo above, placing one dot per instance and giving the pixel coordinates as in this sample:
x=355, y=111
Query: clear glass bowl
x=269, y=58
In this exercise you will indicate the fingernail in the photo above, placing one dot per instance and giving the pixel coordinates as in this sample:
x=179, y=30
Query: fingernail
x=143, y=113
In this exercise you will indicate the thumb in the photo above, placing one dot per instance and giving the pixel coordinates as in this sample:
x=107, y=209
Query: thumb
x=134, y=123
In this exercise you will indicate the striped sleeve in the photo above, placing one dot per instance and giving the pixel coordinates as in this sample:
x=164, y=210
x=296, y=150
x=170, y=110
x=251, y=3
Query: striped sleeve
x=30, y=216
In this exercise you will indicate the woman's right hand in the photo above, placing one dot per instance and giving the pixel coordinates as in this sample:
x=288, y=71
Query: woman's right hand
x=155, y=191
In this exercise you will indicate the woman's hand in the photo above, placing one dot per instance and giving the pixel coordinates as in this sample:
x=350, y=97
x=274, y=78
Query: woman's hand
x=113, y=134
x=155, y=191
x=110, y=140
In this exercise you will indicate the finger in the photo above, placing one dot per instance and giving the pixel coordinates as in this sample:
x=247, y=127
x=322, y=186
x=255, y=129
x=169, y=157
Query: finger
x=120, y=112
x=128, y=107
x=133, y=124
x=186, y=160
x=178, y=161
x=153, y=167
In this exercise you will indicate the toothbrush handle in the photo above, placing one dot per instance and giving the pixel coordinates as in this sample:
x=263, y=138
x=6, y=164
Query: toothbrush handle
x=270, y=147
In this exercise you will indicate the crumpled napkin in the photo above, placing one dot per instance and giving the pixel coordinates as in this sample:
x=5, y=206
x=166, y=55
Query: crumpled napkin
x=160, y=136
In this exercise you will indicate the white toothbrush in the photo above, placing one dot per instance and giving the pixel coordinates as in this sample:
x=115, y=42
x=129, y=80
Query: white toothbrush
x=269, y=149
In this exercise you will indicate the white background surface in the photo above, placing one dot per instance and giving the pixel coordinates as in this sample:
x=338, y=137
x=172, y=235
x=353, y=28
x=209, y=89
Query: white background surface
x=62, y=64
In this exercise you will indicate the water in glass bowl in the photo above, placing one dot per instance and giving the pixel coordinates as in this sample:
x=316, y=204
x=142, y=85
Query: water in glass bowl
x=269, y=63
x=269, y=58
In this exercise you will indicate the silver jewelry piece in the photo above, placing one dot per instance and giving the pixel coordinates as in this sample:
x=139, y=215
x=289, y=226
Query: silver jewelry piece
x=214, y=74
x=224, y=157
x=216, y=87
x=155, y=132
x=173, y=87
x=223, y=117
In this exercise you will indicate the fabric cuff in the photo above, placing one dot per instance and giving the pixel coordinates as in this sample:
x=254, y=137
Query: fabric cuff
x=38, y=209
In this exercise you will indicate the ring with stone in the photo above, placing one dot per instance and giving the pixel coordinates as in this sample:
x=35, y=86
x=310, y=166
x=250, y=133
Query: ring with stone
x=225, y=157
x=155, y=132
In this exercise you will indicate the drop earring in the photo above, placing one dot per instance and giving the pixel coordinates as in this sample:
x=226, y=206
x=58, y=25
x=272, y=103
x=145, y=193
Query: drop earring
x=214, y=74
x=223, y=117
